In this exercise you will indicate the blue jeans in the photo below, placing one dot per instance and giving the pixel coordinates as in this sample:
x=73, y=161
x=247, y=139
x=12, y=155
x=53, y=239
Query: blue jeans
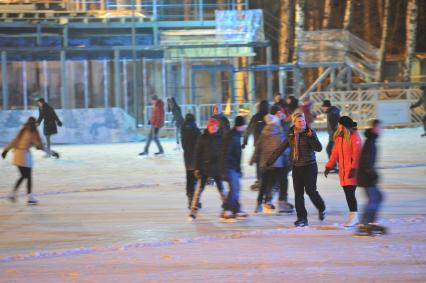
x=153, y=135
x=375, y=198
x=232, y=201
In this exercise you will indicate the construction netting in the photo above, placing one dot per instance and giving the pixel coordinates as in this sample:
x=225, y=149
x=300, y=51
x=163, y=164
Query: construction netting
x=339, y=46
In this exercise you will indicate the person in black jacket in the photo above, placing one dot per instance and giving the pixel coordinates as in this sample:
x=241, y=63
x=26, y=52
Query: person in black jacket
x=231, y=167
x=207, y=163
x=333, y=116
x=255, y=127
x=303, y=143
x=173, y=107
x=422, y=102
x=189, y=134
x=368, y=178
x=48, y=114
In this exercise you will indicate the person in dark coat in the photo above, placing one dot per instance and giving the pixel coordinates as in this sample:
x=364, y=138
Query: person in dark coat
x=333, y=116
x=189, y=134
x=255, y=127
x=178, y=120
x=225, y=126
x=207, y=163
x=231, y=168
x=422, y=102
x=303, y=143
x=368, y=178
x=48, y=115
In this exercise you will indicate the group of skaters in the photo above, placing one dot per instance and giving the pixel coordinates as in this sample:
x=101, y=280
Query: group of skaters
x=283, y=142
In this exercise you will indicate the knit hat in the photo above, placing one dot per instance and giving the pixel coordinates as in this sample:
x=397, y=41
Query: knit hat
x=239, y=121
x=212, y=122
x=326, y=103
x=296, y=115
x=347, y=122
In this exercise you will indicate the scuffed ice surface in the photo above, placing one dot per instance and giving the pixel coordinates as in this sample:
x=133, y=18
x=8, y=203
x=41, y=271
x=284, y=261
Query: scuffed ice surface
x=106, y=215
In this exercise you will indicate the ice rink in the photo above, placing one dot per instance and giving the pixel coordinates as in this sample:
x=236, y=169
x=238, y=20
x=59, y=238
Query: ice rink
x=106, y=215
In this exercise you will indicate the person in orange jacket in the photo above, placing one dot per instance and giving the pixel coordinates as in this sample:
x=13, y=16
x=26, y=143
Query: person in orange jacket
x=157, y=122
x=346, y=151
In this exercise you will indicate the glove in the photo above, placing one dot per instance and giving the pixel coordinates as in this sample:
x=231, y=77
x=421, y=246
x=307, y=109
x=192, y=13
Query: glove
x=197, y=174
x=352, y=173
x=3, y=154
x=309, y=133
x=59, y=123
x=326, y=172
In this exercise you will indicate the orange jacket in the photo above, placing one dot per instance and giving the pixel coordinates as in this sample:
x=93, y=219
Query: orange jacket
x=347, y=154
x=157, y=116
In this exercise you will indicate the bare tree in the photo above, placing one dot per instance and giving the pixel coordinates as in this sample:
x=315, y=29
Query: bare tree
x=385, y=33
x=326, y=14
x=410, y=43
x=286, y=30
x=367, y=20
x=299, y=26
x=347, y=20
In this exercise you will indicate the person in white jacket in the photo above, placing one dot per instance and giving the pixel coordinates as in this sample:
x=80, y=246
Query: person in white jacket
x=27, y=137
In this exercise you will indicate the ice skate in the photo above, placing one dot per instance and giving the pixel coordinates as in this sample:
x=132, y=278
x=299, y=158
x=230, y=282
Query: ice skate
x=352, y=221
x=258, y=209
x=32, y=200
x=321, y=215
x=376, y=229
x=285, y=207
x=227, y=216
x=241, y=215
x=12, y=196
x=55, y=154
x=268, y=208
x=193, y=215
x=143, y=153
x=301, y=222
x=160, y=153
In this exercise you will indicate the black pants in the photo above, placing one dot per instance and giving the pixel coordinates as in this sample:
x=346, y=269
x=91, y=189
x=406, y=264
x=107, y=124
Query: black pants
x=329, y=148
x=269, y=178
x=305, y=180
x=424, y=122
x=25, y=174
x=200, y=189
x=191, y=182
x=153, y=135
x=47, y=142
x=351, y=198
x=284, y=183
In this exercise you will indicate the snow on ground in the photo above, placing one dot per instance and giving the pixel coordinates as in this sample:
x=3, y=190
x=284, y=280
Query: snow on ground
x=106, y=215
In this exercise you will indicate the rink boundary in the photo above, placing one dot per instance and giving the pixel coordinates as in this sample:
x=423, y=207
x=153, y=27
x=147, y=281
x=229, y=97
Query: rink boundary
x=202, y=239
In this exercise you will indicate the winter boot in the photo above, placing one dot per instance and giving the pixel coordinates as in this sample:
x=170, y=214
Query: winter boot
x=143, y=153
x=12, y=196
x=192, y=215
x=159, y=153
x=353, y=220
x=285, y=207
x=301, y=222
x=363, y=230
x=241, y=215
x=268, y=208
x=227, y=216
x=31, y=200
x=321, y=214
x=259, y=208
x=376, y=229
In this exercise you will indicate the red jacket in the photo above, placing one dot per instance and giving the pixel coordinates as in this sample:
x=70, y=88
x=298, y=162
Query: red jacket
x=157, y=116
x=347, y=154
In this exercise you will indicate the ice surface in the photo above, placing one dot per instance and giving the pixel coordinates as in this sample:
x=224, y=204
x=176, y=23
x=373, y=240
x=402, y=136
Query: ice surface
x=106, y=215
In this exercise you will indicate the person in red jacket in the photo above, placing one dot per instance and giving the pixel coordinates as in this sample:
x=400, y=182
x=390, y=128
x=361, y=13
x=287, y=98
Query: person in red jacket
x=346, y=152
x=157, y=122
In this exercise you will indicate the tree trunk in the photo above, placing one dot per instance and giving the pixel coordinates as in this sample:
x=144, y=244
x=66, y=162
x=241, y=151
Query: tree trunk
x=327, y=14
x=286, y=30
x=385, y=32
x=410, y=48
x=299, y=27
x=347, y=20
x=367, y=21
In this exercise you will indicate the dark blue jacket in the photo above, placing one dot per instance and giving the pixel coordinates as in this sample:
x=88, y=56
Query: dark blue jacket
x=231, y=151
x=367, y=174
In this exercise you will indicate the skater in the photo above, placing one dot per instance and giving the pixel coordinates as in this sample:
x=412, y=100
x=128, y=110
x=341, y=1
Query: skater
x=225, y=126
x=207, y=158
x=368, y=179
x=189, y=134
x=231, y=168
x=173, y=107
x=306, y=108
x=278, y=101
x=157, y=122
x=255, y=127
x=303, y=143
x=333, y=115
x=422, y=101
x=48, y=114
x=269, y=140
x=22, y=158
x=291, y=105
x=346, y=151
